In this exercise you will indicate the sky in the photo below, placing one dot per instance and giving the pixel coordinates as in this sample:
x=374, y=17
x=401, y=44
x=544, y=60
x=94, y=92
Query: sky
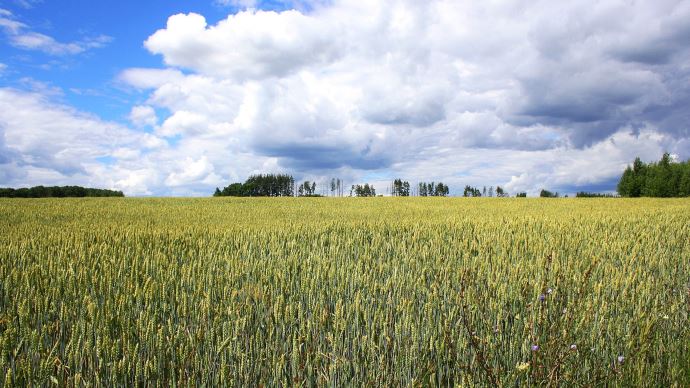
x=175, y=98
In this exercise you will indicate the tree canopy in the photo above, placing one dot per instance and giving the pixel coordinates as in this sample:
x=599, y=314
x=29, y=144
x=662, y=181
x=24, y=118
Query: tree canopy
x=57, y=192
x=664, y=178
x=365, y=190
x=548, y=194
x=262, y=185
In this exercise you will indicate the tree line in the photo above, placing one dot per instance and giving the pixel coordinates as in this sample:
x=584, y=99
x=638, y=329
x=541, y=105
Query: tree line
x=261, y=185
x=664, y=178
x=57, y=192
x=584, y=194
x=470, y=191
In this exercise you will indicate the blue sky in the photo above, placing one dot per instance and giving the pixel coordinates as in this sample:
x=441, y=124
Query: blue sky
x=89, y=81
x=176, y=98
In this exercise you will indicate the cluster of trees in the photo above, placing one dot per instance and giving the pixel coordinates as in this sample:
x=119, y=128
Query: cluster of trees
x=365, y=190
x=471, y=192
x=337, y=187
x=307, y=189
x=475, y=192
x=548, y=194
x=664, y=178
x=584, y=194
x=400, y=188
x=268, y=185
x=521, y=195
x=432, y=189
x=57, y=192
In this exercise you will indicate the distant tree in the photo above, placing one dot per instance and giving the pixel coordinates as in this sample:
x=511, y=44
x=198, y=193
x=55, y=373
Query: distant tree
x=270, y=185
x=365, y=190
x=491, y=191
x=584, y=194
x=58, y=192
x=217, y=193
x=441, y=190
x=500, y=192
x=521, y=195
x=665, y=178
x=421, y=189
x=471, y=192
x=547, y=194
x=627, y=183
x=400, y=188
x=684, y=183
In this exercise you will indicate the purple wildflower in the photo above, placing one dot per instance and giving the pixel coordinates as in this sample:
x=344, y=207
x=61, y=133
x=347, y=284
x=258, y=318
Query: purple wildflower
x=535, y=348
x=542, y=297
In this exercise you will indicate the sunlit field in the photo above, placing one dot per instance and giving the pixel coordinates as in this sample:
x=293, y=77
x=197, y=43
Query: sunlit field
x=345, y=291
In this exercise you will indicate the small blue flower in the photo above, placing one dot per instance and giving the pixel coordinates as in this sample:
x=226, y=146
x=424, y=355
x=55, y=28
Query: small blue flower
x=542, y=297
x=535, y=348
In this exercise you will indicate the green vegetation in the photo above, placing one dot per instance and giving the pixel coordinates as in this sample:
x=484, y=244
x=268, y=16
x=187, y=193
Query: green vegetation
x=364, y=190
x=662, y=179
x=57, y=192
x=584, y=194
x=343, y=291
x=548, y=194
x=262, y=185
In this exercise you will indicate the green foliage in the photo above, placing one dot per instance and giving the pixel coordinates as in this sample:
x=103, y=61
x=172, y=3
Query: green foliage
x=364, y=190
x=471, y=192
x=307, y=189
x=661, y=179
x=521, y=195
x=584, y=194
x=548, y=194
x=400, y=188
x=57, y=192
x=262, y=185
x=433, y=189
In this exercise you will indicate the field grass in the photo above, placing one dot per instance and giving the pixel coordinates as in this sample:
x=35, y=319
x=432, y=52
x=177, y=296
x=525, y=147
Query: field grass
x=350, y=291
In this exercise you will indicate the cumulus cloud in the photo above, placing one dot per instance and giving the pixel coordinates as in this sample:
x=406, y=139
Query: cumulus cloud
x=22, y=36
x=394, y=85
x=143, y=115
x=43, y=142
x=248, y=44
x=528, y=95
x=191, y=172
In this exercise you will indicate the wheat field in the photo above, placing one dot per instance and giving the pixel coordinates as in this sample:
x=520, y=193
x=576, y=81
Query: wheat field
x=345, y=291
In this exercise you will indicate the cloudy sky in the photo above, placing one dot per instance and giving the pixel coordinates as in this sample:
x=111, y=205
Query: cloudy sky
x=175, y=98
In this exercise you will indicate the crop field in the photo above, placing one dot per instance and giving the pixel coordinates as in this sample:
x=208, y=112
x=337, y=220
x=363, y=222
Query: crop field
x=345, y=291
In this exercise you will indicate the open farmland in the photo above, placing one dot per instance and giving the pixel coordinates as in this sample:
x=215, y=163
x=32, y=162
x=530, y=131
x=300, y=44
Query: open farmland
x=380, y=291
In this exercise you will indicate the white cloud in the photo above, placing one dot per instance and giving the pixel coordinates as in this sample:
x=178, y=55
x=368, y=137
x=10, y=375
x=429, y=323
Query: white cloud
x=237, y=3
x=190, y=172
x=48, y=142
x=22, y=36
x=247, y=44
x=143, y=115
x=150, y=78
x=561, y=97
